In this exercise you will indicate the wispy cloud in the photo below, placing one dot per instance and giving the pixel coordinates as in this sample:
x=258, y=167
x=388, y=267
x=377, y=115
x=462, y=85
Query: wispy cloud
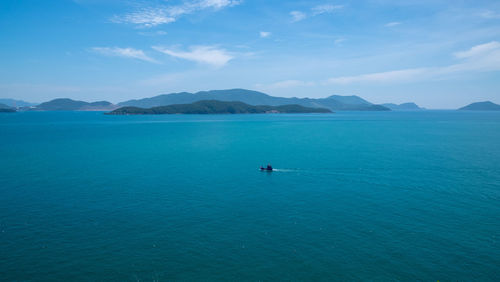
x=153, y=33
x=217, y=4
x=479, y=58
x=297, y=16
x=264, y=34
x=147, y=17
x=124, y=53
x=315, y=11
x=325, y=9
x=478, y=50
x=392, y=24
x=210, y=55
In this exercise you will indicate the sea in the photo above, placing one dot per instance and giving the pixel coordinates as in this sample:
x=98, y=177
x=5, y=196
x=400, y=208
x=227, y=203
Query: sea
x=355, y=196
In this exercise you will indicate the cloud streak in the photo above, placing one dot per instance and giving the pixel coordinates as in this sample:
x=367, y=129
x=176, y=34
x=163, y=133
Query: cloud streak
x=479, y=58
x=392, y=24
x=478, y=50
x=315, y=11
x=124, y=53
x=325, y=9
x=210, y=55
x=264, y=34
x=147, y=17
x=297, y=16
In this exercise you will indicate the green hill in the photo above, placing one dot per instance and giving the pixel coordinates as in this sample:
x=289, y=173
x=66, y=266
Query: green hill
x=7, y=110
x=216, y=107
x=334, y=102
x=403, y=107
x=481, y=106
x=65, y=104
x=15, y=103
x=3, y=106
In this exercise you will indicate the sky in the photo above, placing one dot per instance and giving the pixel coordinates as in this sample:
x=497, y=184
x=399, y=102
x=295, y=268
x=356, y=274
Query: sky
x=438, y=54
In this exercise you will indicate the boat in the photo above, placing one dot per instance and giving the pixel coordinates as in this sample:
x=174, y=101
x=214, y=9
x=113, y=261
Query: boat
x=267, y=168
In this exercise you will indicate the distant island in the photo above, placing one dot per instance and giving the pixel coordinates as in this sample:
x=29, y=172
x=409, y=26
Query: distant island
x=403, y=107
x=65, y=104
x=481, y=106
x=216, y=107
x=6, y=109
x=254, y=98
x=13, y=103
x=250, y=97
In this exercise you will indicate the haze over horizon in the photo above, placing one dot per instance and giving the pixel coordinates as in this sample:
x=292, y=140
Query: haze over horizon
x=438, y=54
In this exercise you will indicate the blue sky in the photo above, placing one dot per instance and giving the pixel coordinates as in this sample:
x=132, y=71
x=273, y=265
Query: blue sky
x=439, y=54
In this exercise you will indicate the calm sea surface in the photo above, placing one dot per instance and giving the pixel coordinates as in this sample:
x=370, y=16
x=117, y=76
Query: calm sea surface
x=357, y=196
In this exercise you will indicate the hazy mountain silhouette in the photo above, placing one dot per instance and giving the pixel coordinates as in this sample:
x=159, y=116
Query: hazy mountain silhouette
x=334, y=102
x=481, y=106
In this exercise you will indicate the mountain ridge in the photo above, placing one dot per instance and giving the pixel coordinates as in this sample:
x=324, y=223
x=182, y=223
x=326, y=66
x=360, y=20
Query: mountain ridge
x=333, y=102
x=66, y=104
x=13, y=103
x=4, y=106
x=251, y=97
x=409, y=106
x=481, y=106
x=216, y=107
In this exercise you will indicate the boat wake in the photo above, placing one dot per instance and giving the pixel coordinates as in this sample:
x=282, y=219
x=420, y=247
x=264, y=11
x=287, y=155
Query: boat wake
x=284, y=170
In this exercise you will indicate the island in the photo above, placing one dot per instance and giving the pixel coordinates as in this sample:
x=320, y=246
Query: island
x=481, y=106
x=4, y=110
x=254, y=98
x=65, y=104
x=217, y=107
x=410, y=106
x=250, y=97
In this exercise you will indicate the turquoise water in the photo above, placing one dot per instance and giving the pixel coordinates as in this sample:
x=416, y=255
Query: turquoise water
x=357, y=196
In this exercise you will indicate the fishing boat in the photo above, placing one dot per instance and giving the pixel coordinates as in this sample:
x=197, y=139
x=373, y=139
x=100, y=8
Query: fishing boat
x=267, y=168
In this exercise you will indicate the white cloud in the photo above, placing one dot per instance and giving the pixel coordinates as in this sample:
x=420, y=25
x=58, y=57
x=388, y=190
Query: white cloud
x=478, y=50
x=147, y=17
x=392, y=24
x=324, y=9
x=264, y=34
x=210, y=55
x=124, y=52
x=153, y=33
x=315, y=11
x=216, y=4
x=480, y=58
x=297, y=16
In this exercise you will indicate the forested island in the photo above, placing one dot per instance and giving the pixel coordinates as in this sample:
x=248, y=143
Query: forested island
x=481, y=106
x=216, y=107
x=6, y=109
x=3, y=110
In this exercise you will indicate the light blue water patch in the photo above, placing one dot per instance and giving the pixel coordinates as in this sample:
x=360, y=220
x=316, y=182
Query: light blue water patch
x=356, y=196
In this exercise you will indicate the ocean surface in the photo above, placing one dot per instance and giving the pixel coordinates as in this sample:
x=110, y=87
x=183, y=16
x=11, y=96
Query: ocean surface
x=380, y=196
